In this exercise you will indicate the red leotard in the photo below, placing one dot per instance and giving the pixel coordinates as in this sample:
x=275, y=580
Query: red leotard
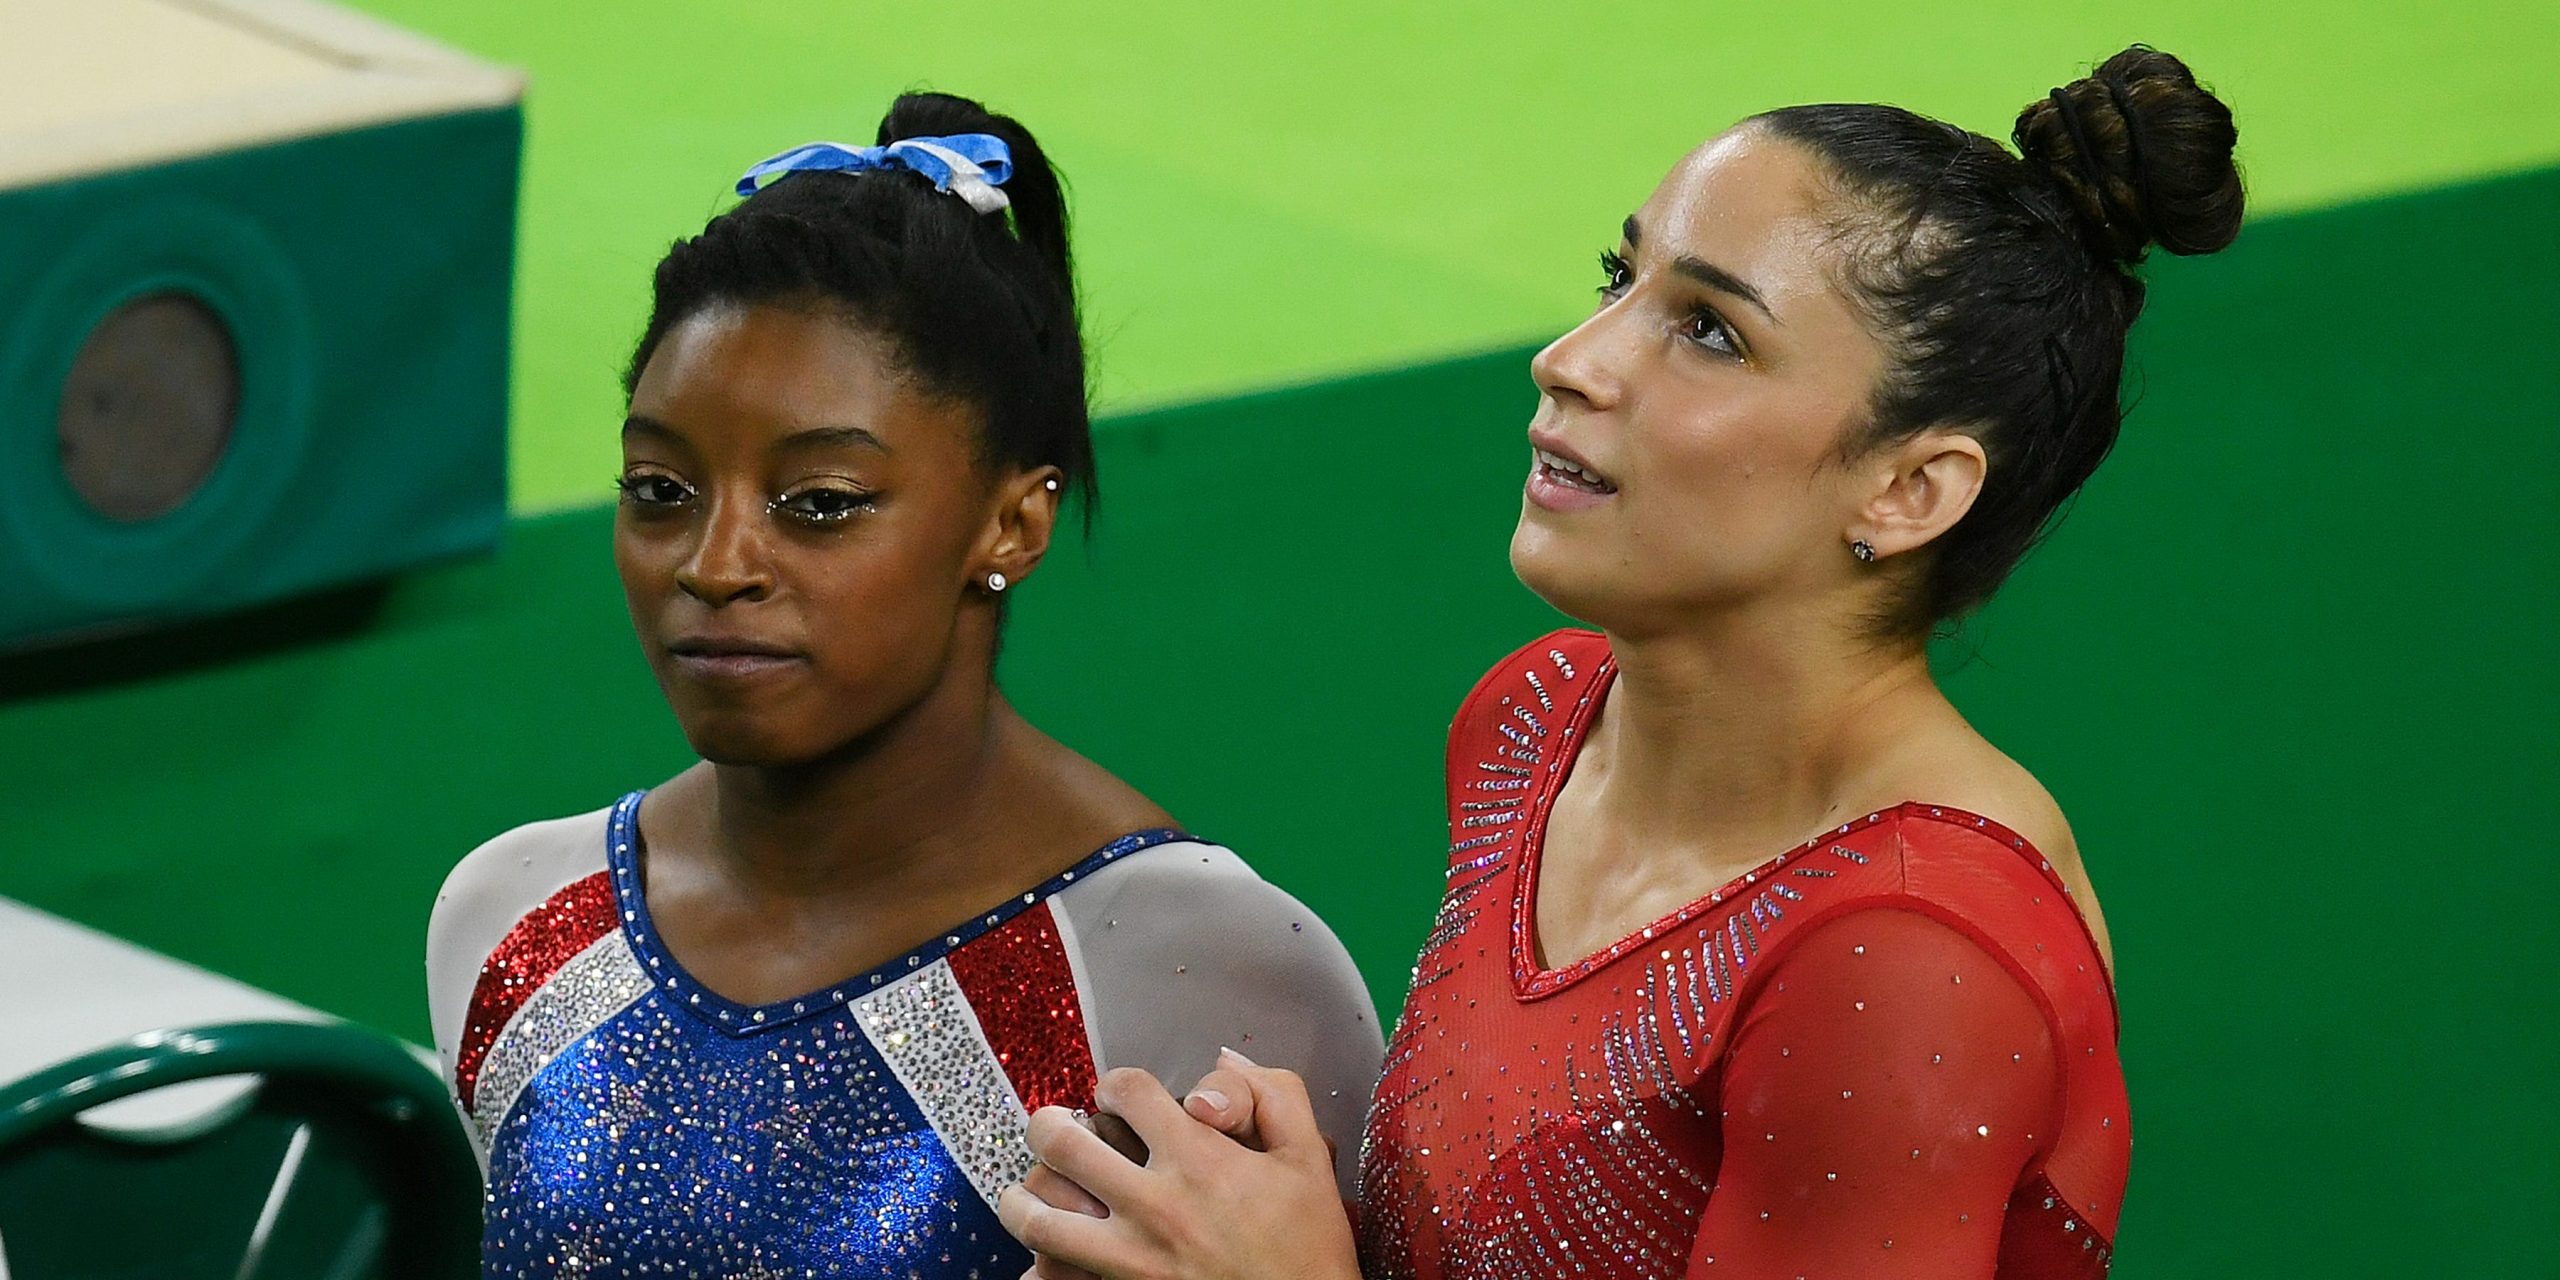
x=1888, y=1052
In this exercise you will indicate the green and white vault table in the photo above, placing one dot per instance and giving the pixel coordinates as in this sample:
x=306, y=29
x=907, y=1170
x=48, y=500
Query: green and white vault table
x=66, y=989
x=255, y=267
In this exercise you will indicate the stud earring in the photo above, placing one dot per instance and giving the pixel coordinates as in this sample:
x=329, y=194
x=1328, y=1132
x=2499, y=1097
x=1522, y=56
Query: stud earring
x=1050, y=484
x=997, y=582
x=1864, y=550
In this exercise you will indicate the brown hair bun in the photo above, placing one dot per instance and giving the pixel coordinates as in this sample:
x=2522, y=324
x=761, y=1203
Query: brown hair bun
x=2144, y=154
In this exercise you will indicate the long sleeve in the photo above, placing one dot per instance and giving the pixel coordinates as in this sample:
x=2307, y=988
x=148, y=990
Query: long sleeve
x=1188, y=950
x=1887, y=1082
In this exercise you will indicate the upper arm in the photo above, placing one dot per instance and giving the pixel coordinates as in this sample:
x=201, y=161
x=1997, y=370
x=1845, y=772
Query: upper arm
x=1887, y=1084
x=1187, y=951
x=483, y=897
x=454, y=953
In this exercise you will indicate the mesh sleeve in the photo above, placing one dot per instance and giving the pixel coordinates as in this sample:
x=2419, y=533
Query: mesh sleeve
x=1183, y=949
x=1887, y=1084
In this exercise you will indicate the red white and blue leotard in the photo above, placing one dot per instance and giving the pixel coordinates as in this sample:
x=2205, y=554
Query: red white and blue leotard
x=1890, y=1051
x=636, y=1123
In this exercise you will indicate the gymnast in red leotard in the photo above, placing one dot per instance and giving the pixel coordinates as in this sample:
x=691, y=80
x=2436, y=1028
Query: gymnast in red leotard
x=1755, y=960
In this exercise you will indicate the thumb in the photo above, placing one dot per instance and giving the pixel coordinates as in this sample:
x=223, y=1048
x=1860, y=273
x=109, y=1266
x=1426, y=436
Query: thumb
x=1223, y=1100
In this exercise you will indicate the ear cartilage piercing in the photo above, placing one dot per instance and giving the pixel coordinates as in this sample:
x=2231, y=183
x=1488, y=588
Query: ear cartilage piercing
x=1051, y=484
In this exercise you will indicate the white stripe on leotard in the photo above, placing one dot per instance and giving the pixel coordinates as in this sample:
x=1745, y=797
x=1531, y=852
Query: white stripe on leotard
x=923, y=1027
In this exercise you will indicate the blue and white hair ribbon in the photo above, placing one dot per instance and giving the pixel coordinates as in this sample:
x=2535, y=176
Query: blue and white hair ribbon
x=968, y=165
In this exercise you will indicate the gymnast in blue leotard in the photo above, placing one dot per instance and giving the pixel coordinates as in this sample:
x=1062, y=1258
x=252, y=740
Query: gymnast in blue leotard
x=787, y=1013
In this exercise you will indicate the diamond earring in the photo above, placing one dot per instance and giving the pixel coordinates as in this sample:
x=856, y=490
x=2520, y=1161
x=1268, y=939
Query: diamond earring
x=1864, y=550
x=997, y=582
x=1051, y=484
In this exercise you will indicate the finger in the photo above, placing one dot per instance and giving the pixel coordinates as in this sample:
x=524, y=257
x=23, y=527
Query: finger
x=1223, y=1100
x=1058, y=1235
x=1058, y=1191
x=1283, y=1113
x=1123, y=1139
x=1058, y=1140
x=1141, y=1099
x=1044, y=1267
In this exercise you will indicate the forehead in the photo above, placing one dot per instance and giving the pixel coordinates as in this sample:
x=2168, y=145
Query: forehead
x=784, y=368
x=1753, y=204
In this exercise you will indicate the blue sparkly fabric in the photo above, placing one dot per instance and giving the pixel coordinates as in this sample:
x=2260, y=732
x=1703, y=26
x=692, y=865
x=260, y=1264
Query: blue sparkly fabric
x=658, y=1146
x=675, y=1133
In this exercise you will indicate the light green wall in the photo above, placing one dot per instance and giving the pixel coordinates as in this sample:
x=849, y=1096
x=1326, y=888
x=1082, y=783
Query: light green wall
x=1276, y=192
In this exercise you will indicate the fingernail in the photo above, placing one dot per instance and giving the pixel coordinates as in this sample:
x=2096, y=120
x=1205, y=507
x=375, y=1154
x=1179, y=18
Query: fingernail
x=1217, y=1099
x=1226, y=1054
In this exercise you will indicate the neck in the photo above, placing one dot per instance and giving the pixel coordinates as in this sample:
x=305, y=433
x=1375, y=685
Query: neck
x=1761, y=730
x=898, y=810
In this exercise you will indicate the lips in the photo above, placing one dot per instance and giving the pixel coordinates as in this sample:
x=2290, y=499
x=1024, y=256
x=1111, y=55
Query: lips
x=731, y=657
x=1566, y=470
x=729, y=647
x=1562, y=481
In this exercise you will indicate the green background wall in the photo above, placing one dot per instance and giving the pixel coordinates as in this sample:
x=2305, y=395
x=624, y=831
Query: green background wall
x=2287, y=665
x=1281, y=192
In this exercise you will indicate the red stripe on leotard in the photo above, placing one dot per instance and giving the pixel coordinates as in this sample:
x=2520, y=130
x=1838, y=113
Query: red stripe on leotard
x=548, y=937
x=1019, y=983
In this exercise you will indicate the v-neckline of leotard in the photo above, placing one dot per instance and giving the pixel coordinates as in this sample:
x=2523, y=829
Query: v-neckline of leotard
x=683, y=991
x=1531, y=979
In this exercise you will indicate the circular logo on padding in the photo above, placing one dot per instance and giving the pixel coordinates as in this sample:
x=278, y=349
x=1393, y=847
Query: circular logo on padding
x=156, y=389
x=149, y=406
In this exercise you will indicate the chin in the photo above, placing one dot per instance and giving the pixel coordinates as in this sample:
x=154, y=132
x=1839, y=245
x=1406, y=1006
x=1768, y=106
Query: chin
x=777, y=733
x=1554, y=570
x=746, y=745
x=750, y=732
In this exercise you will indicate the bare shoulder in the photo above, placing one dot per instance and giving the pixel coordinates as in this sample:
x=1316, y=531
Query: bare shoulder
x=2003, y=790
x=1076, y=799
x=1966, y=771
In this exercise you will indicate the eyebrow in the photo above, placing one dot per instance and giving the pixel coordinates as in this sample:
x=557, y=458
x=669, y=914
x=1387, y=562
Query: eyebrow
x=1707, y=273
x=813, y=438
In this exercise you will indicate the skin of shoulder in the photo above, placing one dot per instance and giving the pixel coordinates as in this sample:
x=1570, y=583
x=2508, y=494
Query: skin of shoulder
x=485, y=894
x=1978, y=777
x=1997, y=787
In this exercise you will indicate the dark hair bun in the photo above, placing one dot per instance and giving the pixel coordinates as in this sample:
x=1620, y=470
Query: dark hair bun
x=2144, y=154
x=1038, y=201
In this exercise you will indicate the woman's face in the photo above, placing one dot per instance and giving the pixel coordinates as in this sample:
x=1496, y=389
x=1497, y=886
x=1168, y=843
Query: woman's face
x=803, y=536
x=1707, y=401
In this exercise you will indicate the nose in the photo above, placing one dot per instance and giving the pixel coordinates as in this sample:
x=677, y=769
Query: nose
x=1587, y=364
x=728, y=563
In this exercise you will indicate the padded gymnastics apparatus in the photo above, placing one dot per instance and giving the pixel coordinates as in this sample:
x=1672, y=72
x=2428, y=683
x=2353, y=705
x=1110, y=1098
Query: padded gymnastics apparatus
x=256, y=259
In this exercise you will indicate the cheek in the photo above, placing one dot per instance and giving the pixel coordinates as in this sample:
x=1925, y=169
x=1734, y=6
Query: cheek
x=880, y=606
x=1728, y=492
x=858, y=597
x=646, y=567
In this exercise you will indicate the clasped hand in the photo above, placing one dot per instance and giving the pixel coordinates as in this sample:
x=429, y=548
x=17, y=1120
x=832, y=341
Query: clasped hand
x=1233, y=1182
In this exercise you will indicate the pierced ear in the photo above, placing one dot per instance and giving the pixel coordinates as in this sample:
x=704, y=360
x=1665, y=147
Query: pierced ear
x=1024, y=519
x=1932, y=481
